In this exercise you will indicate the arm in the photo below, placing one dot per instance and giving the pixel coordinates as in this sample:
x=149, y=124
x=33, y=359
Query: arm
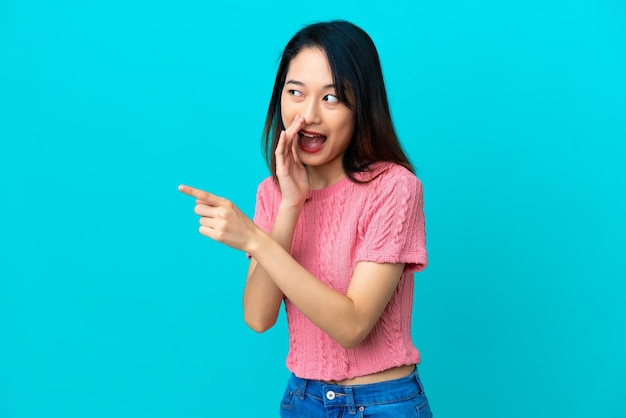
x=393, y=235
x=346, y=318
x=261, y=297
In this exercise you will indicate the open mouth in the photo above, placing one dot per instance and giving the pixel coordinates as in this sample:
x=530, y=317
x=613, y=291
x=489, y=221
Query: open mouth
x=311, y=141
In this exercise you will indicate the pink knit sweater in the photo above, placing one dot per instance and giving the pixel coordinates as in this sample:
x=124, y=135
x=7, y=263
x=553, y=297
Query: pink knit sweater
x=340, y=225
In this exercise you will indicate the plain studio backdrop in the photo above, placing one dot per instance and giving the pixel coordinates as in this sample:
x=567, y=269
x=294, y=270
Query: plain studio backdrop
x=112, y=304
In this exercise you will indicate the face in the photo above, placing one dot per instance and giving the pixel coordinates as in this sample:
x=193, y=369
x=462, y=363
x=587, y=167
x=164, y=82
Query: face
x=328, y=123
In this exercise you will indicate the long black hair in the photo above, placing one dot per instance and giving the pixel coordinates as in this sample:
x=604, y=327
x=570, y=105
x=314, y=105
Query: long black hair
x=355, y=65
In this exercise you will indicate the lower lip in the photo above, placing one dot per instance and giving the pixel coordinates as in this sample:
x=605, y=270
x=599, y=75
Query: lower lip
x=310, y=150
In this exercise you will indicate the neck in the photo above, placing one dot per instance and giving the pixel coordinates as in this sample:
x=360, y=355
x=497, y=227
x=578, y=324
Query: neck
x=319, y=179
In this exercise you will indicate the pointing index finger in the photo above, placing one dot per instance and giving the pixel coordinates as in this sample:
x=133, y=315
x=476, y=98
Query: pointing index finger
x=198, y=194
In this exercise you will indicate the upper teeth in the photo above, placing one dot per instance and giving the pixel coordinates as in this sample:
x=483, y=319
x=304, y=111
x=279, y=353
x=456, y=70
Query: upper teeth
x=309, y=135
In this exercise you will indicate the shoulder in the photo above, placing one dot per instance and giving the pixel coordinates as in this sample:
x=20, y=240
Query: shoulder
x=387, y=176
x=267, y=187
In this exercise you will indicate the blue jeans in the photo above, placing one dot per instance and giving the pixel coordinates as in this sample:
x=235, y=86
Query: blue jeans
x=396, y=398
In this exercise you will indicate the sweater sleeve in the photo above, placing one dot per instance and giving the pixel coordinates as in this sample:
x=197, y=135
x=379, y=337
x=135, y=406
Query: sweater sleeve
x=263, y=207
x=263, y=212
x=392, y=228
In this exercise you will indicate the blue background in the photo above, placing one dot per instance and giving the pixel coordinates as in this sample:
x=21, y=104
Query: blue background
x=111, y=303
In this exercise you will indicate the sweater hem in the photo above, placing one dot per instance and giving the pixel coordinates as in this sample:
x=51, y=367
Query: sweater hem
x=329, y=375
x=415, y=261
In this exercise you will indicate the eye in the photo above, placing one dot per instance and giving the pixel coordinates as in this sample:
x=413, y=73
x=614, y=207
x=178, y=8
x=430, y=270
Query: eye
x=296, y=93
x=331, y=98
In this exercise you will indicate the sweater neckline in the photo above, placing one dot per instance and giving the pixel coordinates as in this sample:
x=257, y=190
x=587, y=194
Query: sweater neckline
x=328, y=191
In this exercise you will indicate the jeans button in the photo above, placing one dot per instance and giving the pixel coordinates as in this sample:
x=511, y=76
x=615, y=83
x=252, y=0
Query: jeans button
x=330, y=395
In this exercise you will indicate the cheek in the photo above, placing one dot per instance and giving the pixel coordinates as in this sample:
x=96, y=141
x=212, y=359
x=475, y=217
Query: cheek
x=287, y=112
x=347, y=124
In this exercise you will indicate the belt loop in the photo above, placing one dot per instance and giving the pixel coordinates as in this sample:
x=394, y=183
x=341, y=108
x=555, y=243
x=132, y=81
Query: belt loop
x=350, y=400
x=301, y=387
x=418, y=381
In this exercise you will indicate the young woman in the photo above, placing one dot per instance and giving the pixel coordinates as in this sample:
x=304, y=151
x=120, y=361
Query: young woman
x=338, y=232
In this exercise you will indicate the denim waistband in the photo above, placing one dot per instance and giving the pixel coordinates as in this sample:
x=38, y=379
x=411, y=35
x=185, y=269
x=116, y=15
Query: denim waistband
x=363, y=395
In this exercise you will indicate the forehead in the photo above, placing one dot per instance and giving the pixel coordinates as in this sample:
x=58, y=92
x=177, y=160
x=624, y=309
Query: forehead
x=310, y=66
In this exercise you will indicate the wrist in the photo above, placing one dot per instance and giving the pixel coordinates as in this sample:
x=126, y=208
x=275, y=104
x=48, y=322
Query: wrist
x=256, y=242
x=292, y=206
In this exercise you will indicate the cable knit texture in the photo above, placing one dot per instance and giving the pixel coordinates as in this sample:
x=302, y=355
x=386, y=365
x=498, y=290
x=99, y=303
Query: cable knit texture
x=381, y=221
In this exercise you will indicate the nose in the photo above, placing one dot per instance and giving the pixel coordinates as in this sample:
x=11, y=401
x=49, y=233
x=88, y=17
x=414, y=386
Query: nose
x=311, y=112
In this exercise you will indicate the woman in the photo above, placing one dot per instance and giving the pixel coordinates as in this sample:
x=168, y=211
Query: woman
x=338, y=232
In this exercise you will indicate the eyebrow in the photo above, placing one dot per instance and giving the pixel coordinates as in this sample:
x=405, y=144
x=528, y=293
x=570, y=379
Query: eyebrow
x=300, y=83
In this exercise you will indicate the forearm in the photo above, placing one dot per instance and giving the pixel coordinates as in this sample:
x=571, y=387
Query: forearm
x=334, y=313
x=262, y=298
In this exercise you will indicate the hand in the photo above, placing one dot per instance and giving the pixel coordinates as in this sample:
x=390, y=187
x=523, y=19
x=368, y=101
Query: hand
x=221, y=220
x=292, y=175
